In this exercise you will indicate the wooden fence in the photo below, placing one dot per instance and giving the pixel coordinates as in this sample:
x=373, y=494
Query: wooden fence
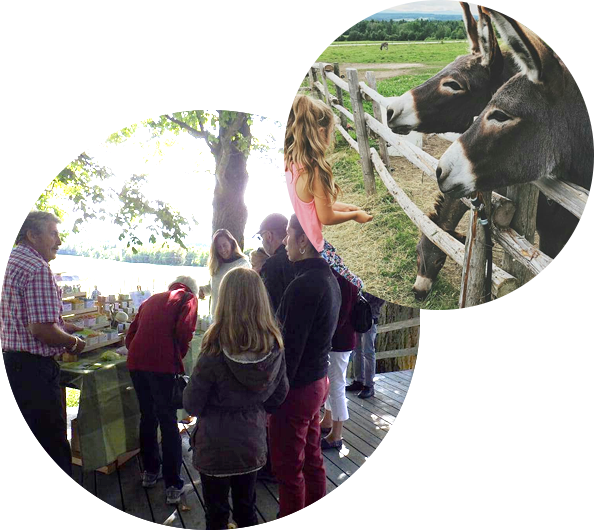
x=513, y=218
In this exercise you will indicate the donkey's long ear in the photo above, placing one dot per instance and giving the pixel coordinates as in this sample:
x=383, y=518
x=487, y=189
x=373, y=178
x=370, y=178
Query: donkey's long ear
x=487, y=39
x=535, y=58
x=471, y=29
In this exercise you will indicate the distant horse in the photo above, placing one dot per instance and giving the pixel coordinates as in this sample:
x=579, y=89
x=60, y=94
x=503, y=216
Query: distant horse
x=535, y=125
x=384, y=46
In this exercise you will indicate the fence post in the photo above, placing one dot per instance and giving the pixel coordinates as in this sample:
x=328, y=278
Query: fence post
x=378, y=115
x=475, y=259
x=525, y=198
x=311, y=71
x=325, y=85
x=343, y=120
x=361, y=128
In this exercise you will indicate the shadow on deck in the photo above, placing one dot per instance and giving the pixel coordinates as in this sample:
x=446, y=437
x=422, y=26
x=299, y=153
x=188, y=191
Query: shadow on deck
x=374, y=480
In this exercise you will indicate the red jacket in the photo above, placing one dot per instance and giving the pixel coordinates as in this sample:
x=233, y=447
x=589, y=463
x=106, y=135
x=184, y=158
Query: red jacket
x=345, y=337
x=160, y=335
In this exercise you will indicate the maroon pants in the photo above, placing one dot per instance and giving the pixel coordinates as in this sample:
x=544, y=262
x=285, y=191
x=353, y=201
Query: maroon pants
x=297, y=461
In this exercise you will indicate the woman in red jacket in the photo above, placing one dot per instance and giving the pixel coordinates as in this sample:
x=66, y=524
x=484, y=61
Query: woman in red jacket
x=157, y=341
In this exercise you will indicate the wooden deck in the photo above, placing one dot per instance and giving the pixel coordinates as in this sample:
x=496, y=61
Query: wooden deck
x=374, y=480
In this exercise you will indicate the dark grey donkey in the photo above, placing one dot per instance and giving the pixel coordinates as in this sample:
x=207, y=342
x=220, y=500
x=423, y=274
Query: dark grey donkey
x=448, y=102
x=536, y=125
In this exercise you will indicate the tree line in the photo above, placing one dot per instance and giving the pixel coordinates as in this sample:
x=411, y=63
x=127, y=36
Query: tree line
x=155, y=254
x=560, y=17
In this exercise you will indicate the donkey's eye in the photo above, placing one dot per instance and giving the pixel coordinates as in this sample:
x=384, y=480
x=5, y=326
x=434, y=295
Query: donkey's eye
x=453, y=85
x=499, y=116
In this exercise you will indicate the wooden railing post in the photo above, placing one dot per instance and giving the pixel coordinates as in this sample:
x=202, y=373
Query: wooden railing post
x=325, y=85
x=343, y=120
x=525, y=198
x=475, y=259
x=377, y=113
x=311, y=78
x=361, y=128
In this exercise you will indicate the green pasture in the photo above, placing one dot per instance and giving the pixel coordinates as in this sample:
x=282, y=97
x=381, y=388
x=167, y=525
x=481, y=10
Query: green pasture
x=430, y=55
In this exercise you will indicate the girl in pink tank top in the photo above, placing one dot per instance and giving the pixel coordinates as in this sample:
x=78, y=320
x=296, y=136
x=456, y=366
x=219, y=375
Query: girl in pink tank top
x=310, y=181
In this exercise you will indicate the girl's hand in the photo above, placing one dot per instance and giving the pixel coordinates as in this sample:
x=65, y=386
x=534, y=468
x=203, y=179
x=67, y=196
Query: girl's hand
x=352, y=208
x=363, y=217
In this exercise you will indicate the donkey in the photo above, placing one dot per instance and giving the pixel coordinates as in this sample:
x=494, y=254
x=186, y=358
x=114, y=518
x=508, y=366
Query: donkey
x=448, y=102
x=430, y=258
x=384, y=46
x=535, y=125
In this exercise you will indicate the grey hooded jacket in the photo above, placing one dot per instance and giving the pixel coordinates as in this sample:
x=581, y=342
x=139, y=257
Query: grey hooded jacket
x=230, y=395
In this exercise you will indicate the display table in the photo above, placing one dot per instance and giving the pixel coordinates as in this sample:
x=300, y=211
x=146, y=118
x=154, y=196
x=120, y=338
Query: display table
x=108, y=414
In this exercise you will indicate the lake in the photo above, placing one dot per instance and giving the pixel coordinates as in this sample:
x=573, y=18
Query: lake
x=114, y=277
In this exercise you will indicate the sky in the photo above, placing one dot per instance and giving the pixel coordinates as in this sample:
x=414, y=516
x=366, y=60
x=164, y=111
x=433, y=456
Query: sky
x=426, y=6
x=182, y=175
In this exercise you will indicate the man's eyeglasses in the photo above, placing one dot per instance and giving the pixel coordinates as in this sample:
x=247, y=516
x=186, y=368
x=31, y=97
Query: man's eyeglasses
x=259, y=235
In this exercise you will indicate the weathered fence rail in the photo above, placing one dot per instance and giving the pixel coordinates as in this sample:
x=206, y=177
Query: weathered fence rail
x=522, y=256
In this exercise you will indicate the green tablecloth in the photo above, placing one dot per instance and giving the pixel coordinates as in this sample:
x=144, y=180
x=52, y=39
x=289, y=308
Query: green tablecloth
x=108, y=413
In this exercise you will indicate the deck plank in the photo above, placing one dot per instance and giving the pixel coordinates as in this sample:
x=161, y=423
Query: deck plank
x=400, y=390
x=373, y=465
x=389, y=415
x=355, y=435
x=374, y=479
x=398, y=514
x=109, y=508
x=136, y=502
x=397, y=395
x=407, y=445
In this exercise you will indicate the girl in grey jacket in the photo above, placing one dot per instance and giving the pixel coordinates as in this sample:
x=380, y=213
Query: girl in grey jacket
x=239, y=376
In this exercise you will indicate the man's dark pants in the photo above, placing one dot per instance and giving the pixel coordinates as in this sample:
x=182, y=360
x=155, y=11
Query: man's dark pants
x=154, y=392
x=37, y=440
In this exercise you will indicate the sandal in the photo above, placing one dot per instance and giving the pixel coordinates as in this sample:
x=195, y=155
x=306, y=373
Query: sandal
x=330, y=445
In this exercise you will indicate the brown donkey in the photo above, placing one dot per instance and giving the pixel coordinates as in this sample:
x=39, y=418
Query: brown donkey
x=448, y=102
x=536, y=125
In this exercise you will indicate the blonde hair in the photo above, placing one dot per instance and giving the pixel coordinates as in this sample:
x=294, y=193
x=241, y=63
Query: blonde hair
x=306, y=144
x=214, y=261
x=243, y=320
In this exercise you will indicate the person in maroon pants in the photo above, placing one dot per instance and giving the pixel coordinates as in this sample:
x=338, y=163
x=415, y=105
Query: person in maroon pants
x=308, y=315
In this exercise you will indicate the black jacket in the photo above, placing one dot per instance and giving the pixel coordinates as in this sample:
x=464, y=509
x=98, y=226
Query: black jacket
x=308, y=315
x=230, y=395
x=277, y=273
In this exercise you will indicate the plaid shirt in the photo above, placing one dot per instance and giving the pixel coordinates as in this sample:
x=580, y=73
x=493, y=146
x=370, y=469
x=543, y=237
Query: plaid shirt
x=30, y=294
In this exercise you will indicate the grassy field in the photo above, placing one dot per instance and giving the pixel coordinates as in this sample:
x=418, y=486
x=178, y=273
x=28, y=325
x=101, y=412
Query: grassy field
x=430, y=55
x=383, y=252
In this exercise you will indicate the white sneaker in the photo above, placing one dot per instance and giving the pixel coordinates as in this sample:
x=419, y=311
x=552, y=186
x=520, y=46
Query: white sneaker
x=150, y=479
x=173, y=495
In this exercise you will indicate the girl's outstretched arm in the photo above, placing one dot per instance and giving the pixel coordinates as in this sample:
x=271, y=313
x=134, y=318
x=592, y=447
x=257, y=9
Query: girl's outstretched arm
x=328, y=215
x=342, y=207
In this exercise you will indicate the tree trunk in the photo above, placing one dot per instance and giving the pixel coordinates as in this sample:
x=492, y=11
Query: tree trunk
x=229, y=209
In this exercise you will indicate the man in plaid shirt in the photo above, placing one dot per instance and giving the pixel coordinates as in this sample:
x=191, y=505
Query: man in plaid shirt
x=33, y=332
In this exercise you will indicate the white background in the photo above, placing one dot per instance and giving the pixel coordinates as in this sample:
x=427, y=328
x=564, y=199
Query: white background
x=508, y=399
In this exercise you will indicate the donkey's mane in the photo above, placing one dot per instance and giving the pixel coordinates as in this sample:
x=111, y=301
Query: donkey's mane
x=437, y=208
x=581, y=53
